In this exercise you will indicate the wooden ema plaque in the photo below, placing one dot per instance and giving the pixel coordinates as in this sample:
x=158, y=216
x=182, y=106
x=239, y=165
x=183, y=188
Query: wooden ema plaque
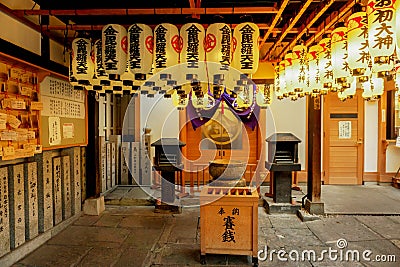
x=229, y=221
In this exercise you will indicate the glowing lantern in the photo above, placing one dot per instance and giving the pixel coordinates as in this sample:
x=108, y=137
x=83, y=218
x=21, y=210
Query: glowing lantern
x=377, y=86
x=357, y=43
x=351, y=91
x=290, y=76
x=218, y=44
x=167, y=46
x=381, y=34
x=180, y=100
x=397, y=8
x=192, y=35
x=282, y=93
x=314, y=84
x=140, y=50
x=245, y=97
x=246, y=53
x=115, y=44
x=299, y=67
x=72, y=79
x=100, y=73
x=82, y=61
x=264, y=95
x=340, y=66
x=325, y=63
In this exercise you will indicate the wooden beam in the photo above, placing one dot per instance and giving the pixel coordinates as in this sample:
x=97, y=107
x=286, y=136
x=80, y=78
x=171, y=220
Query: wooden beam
x=331, y=20
x=274, y=22
x=289, y=26
x=315, y=15
x=147, y=11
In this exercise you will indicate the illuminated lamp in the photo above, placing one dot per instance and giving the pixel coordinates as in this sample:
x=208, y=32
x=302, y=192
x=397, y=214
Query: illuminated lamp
x=325, y=63
x=179, y=100
x=82, y=61
x=264, y=95
x=339, y=55
x=245, y=47
x=299, y=67
x=314, y=84
x=114, y=49
x=290, y=76
x=381, y=35
x=377, y=86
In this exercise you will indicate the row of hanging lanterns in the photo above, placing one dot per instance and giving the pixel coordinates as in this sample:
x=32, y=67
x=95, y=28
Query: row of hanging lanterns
x=190, y=63
x=361, y=53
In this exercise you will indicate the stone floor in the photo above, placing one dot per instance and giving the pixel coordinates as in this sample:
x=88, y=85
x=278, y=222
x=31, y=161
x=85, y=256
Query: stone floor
x=136, y=236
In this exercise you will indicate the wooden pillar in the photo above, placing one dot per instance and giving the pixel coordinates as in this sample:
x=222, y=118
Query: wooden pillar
x=313, y=204
x=93, y=183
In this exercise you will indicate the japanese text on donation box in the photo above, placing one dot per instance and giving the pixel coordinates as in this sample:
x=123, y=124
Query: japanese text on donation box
x=63, y=106
x=231, y=227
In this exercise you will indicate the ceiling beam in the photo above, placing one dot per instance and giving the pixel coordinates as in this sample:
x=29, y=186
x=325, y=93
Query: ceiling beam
x=147, y=11
x=274, y=22
x=315, y=15
x=288, y=27
x=331, y=20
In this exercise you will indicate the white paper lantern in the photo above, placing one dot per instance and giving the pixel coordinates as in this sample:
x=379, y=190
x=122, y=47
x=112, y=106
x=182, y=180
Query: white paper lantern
x=218, y=44
x=140, y=49
x=167, y=46
x=325, y=63
x=381, y=34
x=264, y=95
x=82, y=60
x=290, y=76
x=100, y=73
x=340, y=66
x=314, y=84
x=115, y=45
x=246, y=53
x=357, y=43
x=299, y=62
x=282, y=93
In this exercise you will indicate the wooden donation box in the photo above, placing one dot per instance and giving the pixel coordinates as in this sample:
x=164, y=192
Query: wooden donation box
x=167, y=160
x=229, y=221
x=282, y=160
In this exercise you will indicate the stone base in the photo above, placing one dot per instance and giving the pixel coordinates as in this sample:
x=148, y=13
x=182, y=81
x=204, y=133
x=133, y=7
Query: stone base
x=166, y=208
x=314, y=207
x=306, y=217
x=286, y=208
x=94, y=206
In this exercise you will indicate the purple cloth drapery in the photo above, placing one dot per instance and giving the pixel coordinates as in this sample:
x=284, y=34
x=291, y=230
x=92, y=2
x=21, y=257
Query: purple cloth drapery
x=248, y=116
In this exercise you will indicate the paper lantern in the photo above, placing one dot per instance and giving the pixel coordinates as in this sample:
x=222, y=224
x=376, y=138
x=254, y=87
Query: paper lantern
x=114, y=47
x=100, y=73
x=314, y=84
x=377, y=86
x=357, y=43
x=245, y=97
x=282, y=92
x=245, y=50
x=340, y=66
x=381, y=34
x=140, y=50
x=180, y=100
x=325, y=63
x=217, y=44
x=397, y=32
x=299, y=67
x=72, y=80
x=290, y=76
x=82, y=60
x=264, y=95
x=167, y=46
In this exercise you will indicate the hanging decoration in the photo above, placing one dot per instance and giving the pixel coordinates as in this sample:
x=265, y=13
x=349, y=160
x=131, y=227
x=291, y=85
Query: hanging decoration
x=357, y=45
x=264, y=95
x=299, y=66
x=313, y=83
x=381, y=35
x=325, y=64
x=167, y=46
x=82, y=61
x=245, y=52
x=114, y=49
x=140, y=50
x=290, y=76
x=340, y=67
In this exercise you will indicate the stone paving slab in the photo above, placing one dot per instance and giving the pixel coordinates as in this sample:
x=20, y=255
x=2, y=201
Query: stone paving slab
x=286, y=221
x=132, y=257
x=91, y=236
x=383, y=225
x=331, y=229
x=101, y=257
x=55, y=255
x=109, y=220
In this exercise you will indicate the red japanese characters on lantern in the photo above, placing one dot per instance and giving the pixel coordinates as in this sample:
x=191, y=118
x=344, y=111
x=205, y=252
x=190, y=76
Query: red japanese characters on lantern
x=340, y=66
x=381, y=34
x=114, y=48
x=313, y=84
x=357, y=43
x=246, y=53
x=325, y=63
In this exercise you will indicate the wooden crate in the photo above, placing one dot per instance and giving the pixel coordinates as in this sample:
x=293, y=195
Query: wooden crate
x=229, y=221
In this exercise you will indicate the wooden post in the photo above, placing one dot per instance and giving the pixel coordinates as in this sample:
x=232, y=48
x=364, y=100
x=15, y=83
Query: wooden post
x=93, y=188
x=314, y=157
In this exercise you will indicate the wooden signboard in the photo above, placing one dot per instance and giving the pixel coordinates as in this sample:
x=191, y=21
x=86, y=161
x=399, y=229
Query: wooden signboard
x=63, y=118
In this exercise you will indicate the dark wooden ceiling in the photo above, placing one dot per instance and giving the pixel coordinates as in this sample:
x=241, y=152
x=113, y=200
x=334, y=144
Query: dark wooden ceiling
x=284, y=23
